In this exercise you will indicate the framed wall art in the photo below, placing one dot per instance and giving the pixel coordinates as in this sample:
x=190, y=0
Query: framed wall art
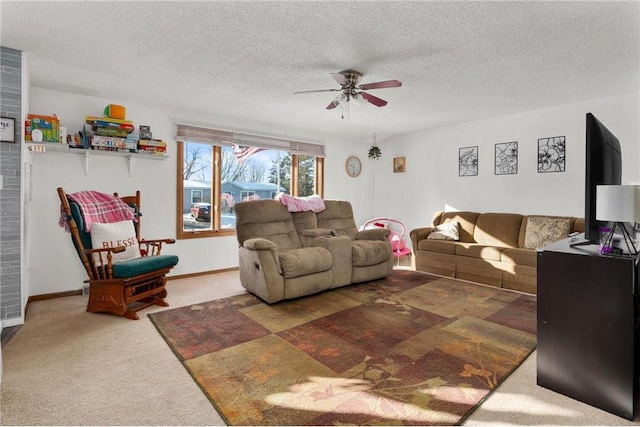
x=398, y=165
x=551, y=154
x=506, y=160
x=468, y=161
x=7, y=129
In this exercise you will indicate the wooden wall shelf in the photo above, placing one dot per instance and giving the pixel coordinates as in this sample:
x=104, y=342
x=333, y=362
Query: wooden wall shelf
x=43, y=148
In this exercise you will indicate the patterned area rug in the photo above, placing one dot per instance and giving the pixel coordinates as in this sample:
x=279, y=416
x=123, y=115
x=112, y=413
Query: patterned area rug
x=408, y=349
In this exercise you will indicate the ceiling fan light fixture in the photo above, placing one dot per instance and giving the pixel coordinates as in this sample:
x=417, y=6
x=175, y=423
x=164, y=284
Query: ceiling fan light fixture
x=349, y=85
x=358, y=99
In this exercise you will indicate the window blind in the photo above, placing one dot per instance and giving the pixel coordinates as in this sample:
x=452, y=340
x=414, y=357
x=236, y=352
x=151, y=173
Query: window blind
x=205, y=135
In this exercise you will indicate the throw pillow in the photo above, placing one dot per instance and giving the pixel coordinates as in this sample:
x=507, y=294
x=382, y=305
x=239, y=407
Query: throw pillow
x=446, y=231
x=111, y=235
x=542, y=231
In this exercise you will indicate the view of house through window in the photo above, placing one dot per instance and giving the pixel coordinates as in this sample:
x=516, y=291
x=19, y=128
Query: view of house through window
x=215, y=178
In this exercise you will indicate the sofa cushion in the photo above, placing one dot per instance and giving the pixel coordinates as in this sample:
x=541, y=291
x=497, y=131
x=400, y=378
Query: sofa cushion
x=266, y=219
x=369, y=252
x=498, y=229
x=466, y=221
x=520, y=256
x=304, y=261
x=338, y=216
x=304, y=221
x=575, y=224
x=440, y=246
x=541, y=231
x=446, y=231
x=475, y=250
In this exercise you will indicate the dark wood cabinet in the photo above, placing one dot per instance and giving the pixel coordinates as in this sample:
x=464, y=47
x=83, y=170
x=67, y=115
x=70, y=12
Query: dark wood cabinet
x=587, y=326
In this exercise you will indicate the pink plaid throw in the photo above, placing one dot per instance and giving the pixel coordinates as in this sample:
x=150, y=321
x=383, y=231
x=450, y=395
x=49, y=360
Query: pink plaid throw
x=98, y=207
x=301, y=204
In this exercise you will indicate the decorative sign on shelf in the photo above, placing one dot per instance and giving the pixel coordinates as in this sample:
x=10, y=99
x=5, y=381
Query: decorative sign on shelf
x=7, y=129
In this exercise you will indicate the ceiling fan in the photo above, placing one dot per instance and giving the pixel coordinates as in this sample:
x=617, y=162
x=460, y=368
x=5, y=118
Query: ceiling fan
x=350, y=90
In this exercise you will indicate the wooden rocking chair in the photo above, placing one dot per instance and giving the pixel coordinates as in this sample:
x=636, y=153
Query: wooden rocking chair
x=125, y=287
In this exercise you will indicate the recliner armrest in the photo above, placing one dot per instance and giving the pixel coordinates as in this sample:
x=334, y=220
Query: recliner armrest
x=259, y=244
x=373, y=234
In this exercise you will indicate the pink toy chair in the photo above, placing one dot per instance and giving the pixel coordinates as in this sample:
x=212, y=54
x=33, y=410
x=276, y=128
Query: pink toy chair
x=398, y=244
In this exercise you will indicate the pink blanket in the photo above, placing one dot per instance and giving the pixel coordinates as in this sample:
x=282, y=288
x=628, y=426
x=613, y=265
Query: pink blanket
x=98, y=207
x=301, y=204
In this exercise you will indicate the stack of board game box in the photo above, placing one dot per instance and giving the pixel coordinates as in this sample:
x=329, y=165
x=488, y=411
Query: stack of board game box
x=152, y=146
x=112, y=134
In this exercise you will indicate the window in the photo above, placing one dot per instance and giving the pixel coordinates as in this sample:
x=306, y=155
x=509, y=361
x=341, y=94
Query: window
x=196, y=196
x=217, y=169
x=249, y=195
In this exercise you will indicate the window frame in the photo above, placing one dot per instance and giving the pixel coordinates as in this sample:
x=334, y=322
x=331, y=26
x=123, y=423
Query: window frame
x=216, y=185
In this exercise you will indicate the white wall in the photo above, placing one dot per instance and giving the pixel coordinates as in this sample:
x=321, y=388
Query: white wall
x=53, y=265
x=431, y=180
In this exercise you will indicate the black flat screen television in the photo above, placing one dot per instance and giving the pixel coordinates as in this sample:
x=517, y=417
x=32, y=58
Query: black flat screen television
x=603, y=167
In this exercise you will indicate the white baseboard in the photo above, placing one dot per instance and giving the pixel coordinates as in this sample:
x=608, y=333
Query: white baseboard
x=15, y=321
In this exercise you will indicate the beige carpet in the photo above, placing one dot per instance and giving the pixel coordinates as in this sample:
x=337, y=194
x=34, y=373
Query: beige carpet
x=69, y=367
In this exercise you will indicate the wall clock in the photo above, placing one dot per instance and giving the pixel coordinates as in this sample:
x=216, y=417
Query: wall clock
x=353, y=166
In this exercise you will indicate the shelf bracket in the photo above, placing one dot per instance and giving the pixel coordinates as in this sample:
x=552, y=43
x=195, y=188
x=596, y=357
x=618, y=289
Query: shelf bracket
x=130, y=158
x=86, y=162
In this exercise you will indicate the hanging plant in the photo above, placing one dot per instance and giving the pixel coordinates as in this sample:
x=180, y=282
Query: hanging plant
x=374, y=152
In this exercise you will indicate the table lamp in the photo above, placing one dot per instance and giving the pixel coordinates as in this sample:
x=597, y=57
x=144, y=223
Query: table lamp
x=618, y=204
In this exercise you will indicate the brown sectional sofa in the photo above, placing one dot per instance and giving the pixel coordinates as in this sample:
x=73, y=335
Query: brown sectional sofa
x=493, y=248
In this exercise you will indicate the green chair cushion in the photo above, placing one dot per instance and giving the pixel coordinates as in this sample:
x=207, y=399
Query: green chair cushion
x=145, y=264
x=77, y=216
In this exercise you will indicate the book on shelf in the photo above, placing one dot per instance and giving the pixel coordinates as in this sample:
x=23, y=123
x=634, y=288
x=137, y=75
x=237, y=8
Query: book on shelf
x=108, y=141
x=152, y=143
x=91, y=119
x=113, y=149
x=122, y=133
x=109, y=125
x=152, y=152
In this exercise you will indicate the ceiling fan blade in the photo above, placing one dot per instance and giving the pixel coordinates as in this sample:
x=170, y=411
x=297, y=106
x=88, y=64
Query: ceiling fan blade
x=333, y=104
x=373, y=99
x=315, y=91
x=381, y=85
x=339, y=78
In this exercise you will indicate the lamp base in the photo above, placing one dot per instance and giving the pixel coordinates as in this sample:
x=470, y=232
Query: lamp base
x=607, y=246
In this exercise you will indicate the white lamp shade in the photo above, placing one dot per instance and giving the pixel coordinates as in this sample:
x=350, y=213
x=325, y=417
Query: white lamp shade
x=618, y=203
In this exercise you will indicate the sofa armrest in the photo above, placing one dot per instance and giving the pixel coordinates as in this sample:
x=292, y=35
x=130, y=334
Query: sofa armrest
x=267, y=251
x=418, y=234
x=373, y=234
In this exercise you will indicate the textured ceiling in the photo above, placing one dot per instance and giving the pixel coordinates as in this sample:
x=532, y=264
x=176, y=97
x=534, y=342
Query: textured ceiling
x=241, y=61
